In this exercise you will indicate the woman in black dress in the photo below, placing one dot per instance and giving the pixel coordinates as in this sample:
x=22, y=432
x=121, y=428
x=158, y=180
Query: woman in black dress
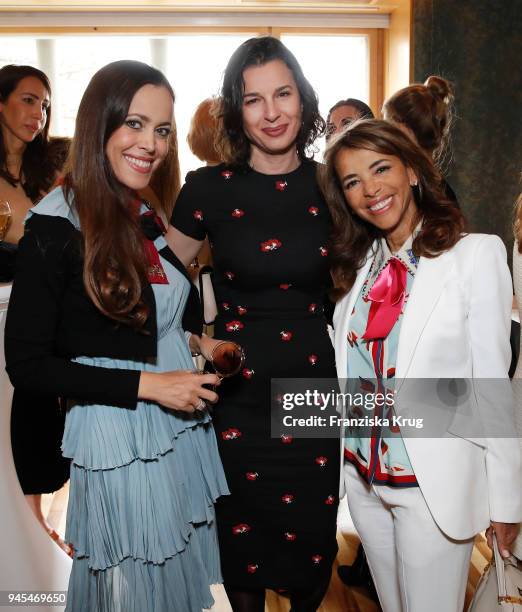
x=268, y=226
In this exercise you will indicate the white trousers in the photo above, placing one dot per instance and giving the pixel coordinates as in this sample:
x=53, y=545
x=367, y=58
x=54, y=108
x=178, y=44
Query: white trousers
x=415, y=567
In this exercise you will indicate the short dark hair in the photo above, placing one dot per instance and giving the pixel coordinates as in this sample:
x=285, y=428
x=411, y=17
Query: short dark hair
x=233, y=143
x=37, y=171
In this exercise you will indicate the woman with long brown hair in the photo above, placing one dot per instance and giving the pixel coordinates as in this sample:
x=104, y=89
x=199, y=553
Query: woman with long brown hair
x=107, y=334
x=28, y=168
x=418, y=298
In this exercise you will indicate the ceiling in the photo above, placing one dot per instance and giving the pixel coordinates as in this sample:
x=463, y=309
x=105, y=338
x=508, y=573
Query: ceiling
x=237, y=6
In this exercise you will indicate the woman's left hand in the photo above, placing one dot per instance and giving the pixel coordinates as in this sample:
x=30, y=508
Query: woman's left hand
x=506, y=534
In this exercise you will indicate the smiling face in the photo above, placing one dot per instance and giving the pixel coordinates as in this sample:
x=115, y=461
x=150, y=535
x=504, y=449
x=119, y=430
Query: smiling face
x=138, y=147
x=341, y=117
x=377, y=188
x=271, y=108
x=23, y=114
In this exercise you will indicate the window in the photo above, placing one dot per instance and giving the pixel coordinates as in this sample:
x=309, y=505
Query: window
x=336, y=62
x=77, y=59
x=18, y=50
x=195, y=69
x=337, y=66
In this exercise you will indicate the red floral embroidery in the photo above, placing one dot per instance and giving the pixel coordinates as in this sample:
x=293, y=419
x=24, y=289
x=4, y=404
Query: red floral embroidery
x=312, y=359
x=230, y=275
x=314, y=211
x=225, y=305
x=252, y=568
x=198, y=214
x=316, y=559
x=241, y=528
x=287, y=439
x=323, y=251
x=233, y=326
x=231, y=434
x=270, y=245
x=321, y=461
x=247, y=373
x=330, y=500
x=290, y=536
x=226, y=174
x=241, y=310
x=281, y=185
x=312, y=307
x=252, y=475
x=285, y=286
x=287, y=498
x=286, y=336
x=237, y=213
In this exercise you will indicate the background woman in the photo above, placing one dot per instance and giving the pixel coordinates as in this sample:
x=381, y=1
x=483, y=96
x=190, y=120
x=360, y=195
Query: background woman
x=425, y=114
x=268, y=227
x=107, y=334
x=517, y=386
x=203, y=132
x=345, y=112
x=28, y=168
x=416, y=296
x=201, y=139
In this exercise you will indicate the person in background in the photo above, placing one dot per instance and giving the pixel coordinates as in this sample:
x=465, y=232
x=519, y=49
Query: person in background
x=425, y=113
x=415, y=294
x=202, y=136
x=58, y=151
x=108, y=335
x=517, y=385
x=203, y=132
x=345, y=112
x=269, y=227
x=28, y=168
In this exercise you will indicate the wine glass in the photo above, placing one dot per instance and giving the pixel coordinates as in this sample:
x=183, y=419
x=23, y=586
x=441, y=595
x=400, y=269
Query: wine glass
x=227, y=359
x=5, y=218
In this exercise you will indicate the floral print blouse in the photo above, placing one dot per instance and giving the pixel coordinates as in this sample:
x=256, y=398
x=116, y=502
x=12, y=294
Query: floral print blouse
x=379, y=454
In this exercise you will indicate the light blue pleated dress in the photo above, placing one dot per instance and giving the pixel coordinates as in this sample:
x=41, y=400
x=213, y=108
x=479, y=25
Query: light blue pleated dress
x=143, y=483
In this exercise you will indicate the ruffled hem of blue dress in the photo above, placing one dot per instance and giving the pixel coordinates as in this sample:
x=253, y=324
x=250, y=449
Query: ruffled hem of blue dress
x=147, y=509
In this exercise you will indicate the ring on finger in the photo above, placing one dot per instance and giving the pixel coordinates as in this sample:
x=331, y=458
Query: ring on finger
x=201, y=406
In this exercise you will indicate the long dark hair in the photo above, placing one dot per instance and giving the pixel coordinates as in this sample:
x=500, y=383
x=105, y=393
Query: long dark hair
x=443, y=223
x=232, y=142
x=38, y=171
x=115, y=267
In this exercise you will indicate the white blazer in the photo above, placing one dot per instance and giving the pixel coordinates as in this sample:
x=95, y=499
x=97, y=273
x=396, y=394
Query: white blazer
x=456, y=324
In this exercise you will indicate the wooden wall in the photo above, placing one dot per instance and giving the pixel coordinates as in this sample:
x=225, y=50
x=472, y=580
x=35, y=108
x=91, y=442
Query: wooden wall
x=477, y=45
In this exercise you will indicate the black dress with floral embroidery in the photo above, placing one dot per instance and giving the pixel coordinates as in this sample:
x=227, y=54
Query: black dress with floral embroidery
x=268, y=235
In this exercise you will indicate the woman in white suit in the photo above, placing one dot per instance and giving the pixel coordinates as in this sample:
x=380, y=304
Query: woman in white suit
x=418, y=299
